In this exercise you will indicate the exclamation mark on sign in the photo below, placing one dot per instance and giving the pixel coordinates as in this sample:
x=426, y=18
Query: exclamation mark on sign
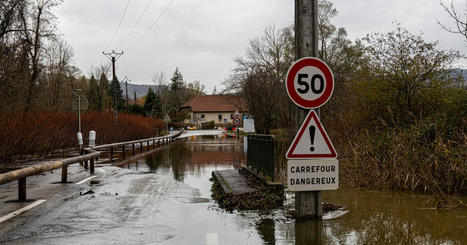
x=312, y=137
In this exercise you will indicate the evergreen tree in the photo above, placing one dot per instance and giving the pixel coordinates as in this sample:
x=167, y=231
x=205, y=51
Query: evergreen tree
x=158, y=106
x=115, y=92
x=152, y=105
x=177, y=89
x=104, y=101
x=93, y=94
x=176, y=80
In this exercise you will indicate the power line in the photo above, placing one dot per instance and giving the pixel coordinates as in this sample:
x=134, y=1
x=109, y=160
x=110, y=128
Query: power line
x=119, y=24
x=152, y=25
x=136, y=24
x=125, y=64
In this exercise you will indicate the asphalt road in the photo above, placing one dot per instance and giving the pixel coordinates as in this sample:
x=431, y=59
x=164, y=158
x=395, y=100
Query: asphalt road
x=118, y=210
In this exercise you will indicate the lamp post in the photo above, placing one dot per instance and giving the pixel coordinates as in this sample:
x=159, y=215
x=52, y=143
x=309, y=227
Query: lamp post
x=75, y=90
x=79, y=135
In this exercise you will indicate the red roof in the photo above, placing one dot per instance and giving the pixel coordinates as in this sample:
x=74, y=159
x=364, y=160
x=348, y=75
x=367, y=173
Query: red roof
x=215, y=103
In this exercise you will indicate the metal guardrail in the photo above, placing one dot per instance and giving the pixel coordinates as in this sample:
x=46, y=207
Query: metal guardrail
x=91, y=156
x=123, y=145
x=21, y=174
x=178, y=134
x=156, y=141
x=260, y=153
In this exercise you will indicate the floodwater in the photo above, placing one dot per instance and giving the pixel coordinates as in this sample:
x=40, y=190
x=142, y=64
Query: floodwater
x=370, y=217
x=165, y=198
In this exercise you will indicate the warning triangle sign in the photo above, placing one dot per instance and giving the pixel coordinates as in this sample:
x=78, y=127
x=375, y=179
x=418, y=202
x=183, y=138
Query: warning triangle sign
x=311, y=141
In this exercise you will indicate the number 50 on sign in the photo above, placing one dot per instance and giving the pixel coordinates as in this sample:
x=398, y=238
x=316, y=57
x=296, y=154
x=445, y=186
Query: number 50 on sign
x=310, y=83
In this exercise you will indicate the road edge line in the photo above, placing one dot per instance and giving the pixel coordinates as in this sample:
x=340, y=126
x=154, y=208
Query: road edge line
x=85, y=180
x=21, y=210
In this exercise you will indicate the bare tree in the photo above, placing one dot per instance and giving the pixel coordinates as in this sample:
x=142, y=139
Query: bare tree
x=259, y=78
x=259, y=99
x=59, y=70
x=326, y=12
x=104, y=68
x=10, y=12
x=460, y=22
x=159, y=79
x=38, y=25
x=162, y=90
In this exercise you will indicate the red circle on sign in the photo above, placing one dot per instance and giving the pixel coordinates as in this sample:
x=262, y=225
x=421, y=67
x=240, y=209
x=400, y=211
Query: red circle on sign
x=328, y=76
x=237, y=121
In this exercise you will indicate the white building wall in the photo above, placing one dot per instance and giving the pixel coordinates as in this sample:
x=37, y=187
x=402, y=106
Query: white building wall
x=195, y=117
x=214, y=116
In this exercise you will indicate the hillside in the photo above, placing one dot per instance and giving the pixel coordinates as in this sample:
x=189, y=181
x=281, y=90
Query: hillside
x=462, y=72
x=140, y=89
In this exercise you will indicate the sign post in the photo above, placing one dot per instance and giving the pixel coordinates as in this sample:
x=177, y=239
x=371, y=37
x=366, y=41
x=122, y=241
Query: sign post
x=307, y=203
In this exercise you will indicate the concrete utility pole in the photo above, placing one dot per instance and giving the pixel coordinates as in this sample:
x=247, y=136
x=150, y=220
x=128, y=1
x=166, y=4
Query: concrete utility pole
x=307, y=203
x=113, y=56
x=126, y=91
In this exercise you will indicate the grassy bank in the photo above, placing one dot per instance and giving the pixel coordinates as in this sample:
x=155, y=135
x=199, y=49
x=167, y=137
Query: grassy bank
x=39, y=134
x=426, y=157
x=413, y=159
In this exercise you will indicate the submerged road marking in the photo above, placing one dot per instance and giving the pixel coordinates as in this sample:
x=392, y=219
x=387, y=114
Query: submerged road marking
x=85, y=180
x=211, y=239
x=22, y=210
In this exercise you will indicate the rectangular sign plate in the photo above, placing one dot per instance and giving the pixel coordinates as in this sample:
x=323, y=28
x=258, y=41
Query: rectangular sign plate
x=313, y=174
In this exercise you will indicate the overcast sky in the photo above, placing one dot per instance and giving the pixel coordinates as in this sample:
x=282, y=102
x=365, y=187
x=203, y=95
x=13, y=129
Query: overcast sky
x=202, y=37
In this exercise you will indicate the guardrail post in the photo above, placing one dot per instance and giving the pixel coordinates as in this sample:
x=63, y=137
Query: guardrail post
x=123, y=152
x=91, y=169
x=133, y=148
x=85, y=164
x=147, y=145
x=81, y=153
x=153, y=144
x=111, y=154
x=22, y=189
x=64, y=174
x=141, y=146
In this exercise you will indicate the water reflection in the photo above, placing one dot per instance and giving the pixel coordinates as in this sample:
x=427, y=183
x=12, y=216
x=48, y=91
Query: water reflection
x=373, y=217
x=266, y=230
x=309, y=232
x=195, y=153
x=369, y=225
x=385, y=217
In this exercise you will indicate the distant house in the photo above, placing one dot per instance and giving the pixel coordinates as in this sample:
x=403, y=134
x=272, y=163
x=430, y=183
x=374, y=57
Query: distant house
x=218, y=108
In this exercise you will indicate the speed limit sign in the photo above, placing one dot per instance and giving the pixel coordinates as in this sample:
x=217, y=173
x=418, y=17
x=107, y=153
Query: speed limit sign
x=237, y=121
x=310, y=82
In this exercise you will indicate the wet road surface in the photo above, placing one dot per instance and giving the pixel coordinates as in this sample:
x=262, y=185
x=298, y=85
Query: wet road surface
x=165, y=198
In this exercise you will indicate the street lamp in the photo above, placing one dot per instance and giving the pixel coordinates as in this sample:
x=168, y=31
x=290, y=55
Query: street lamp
x=79, y=134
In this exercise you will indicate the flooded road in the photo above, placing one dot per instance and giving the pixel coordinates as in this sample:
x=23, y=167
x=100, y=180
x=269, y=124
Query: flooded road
x=165, y=198
x=373, y=217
